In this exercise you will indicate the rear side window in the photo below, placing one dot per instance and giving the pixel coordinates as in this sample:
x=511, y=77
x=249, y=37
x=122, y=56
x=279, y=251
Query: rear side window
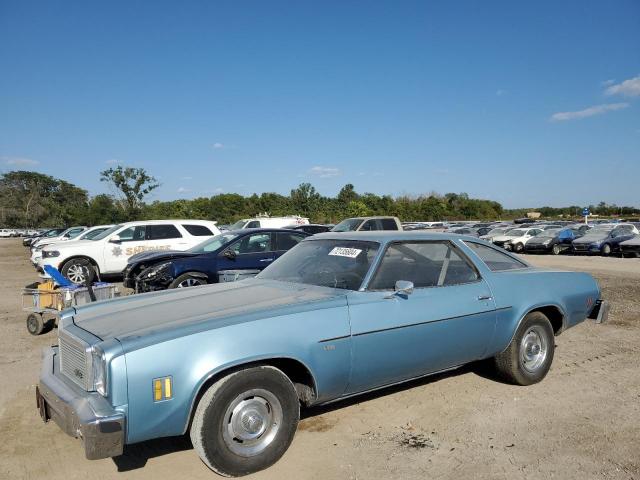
x=162, y=232
x=494, y=259
x=426, y=264
x=389, y=224
x=369, y=226
x=253, y=224
x=285, y=241
x=198, y=230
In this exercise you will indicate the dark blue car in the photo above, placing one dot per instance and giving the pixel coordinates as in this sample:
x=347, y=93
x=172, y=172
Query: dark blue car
x=226, y=257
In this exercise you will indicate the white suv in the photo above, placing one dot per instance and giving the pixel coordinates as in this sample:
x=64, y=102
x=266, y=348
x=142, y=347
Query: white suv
x=516, y=238
x=108, y=252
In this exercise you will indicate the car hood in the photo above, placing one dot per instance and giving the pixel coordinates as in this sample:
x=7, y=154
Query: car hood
x=503, y=238
x=171, y=313
x=632, y=241
x=590, y=239
x=75, y=244
x=541, y=239
x=156, y=255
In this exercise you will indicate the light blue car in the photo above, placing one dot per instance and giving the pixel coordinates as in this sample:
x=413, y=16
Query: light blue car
x=338, y=315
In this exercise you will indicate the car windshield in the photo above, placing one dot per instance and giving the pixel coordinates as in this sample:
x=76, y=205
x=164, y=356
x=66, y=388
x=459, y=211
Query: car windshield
x=214, y=243
x=92, y=234
x=348, y=225
x=518, y=232
x=325, y=263
x=497, y=231
x=107, y=232
x=552, y=232
x=238, y=225
x=53, y=233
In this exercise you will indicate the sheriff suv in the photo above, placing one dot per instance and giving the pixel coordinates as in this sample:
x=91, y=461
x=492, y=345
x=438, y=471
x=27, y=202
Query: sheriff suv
x=108, y=253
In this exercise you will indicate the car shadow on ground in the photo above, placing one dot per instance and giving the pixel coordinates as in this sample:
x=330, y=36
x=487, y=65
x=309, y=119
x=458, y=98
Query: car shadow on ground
x=136, y=456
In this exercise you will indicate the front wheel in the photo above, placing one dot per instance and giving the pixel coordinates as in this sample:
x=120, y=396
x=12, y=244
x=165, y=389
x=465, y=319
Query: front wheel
x=79, y=270
x=528, y=357
x=518, y=248
x=605, y=250
x=245, y=421
x=555, y=249
x=187, y=280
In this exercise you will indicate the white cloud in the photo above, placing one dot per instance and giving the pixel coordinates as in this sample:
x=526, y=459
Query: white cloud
x=20, y=161
x=608, y=83
x=500, y=92
x=219, y=190
x=218, y=146
x=187, y=178
x=588, y=112
x=324, y=172
x=628, y=88
x=112, y=161
x=183, y=190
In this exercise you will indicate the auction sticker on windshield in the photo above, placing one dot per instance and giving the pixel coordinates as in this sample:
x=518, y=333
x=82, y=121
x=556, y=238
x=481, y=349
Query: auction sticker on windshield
x=345, y=252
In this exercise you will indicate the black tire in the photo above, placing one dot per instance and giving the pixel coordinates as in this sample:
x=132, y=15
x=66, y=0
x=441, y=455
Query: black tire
x=512, y=364
x=188, y=280
x=605, y=250
x=518, y=248
x=75, y=267
x=35, y=324
x=556, y=249
x=213, y=422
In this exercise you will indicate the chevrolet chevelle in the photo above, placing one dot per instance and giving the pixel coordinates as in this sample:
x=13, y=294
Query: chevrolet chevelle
x=338, y=315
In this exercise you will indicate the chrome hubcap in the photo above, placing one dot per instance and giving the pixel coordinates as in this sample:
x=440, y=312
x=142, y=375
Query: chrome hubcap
x=76, y=273
x=189, y=282
x=252, y=421
x=533, y=349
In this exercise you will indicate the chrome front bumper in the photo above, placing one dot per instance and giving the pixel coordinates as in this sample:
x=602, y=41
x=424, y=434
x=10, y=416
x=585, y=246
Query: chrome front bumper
x=85, y=415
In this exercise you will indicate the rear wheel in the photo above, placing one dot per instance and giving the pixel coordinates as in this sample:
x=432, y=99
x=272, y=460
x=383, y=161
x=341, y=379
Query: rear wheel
x=35, y=324
x=528, y=357
x=246, y=421
x=188, y=280
x=605, y=250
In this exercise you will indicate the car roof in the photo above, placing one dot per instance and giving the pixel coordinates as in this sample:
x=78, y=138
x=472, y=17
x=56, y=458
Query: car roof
x=386, y=236
x=243, y=231
x=171, y=220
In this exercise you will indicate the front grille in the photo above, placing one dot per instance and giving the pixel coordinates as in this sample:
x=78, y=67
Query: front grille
x=581, y=247
x=74, y=360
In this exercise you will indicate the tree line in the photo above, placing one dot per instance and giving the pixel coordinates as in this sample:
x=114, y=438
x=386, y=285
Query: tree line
x=31, y=199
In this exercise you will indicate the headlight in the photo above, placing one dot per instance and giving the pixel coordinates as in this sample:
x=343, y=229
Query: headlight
x=156, y=270
x=99, y=371
x=50, y=253
x=546, y=242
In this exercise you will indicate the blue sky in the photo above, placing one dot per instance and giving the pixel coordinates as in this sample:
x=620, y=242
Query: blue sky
x=527, y=103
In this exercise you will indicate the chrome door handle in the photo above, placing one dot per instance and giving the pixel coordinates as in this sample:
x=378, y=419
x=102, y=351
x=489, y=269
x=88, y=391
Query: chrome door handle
x=267, y=260
x=484, y=297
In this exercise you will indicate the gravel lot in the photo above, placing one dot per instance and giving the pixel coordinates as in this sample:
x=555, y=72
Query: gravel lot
x=582, y=421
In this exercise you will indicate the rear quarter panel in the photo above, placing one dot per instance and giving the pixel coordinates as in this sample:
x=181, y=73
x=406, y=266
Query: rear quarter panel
x=518, y=292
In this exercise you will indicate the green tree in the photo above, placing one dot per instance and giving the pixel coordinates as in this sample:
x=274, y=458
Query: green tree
x=133, y=183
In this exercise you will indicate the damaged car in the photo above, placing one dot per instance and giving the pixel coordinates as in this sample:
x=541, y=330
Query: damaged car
x=230, y=256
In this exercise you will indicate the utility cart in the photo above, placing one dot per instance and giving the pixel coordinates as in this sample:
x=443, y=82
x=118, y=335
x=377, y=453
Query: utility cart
x=46, y=300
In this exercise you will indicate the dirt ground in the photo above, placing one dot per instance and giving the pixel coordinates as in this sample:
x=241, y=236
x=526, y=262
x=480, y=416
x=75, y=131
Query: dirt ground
x=581, y=422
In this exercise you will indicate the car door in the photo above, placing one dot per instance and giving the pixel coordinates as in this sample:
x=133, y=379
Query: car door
x=116, y=251
x=449, y=318
x=286, y=241
x=250, y=252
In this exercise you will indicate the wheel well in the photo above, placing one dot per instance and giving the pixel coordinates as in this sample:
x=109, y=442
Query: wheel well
x=297, y=372
x=93, y=262
x=554, y=315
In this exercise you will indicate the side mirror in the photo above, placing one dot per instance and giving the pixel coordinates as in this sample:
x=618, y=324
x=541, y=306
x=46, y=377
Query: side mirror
x=230, y=254
x=403, y=288
x=115, y=239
